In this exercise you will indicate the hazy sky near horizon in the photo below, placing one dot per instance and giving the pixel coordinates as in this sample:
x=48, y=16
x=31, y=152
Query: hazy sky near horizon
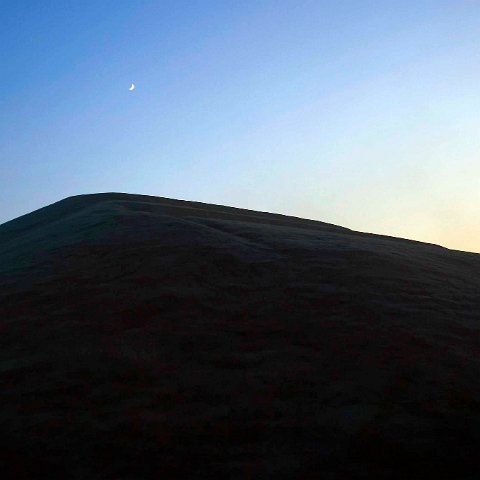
x=361, y=113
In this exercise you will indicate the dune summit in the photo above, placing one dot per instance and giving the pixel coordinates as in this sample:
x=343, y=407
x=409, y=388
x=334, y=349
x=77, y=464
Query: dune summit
x=144, y=338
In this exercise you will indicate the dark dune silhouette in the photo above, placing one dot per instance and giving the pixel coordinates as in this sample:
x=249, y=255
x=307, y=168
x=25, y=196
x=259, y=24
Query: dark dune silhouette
x=146, y=338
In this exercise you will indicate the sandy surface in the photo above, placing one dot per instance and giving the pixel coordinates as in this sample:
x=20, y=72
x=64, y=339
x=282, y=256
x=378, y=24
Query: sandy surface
x=146, y=338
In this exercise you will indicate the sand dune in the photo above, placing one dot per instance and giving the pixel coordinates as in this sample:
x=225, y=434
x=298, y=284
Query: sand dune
x=145, y=337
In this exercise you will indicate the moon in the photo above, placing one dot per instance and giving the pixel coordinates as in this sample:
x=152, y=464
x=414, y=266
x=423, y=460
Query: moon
x=132, y=87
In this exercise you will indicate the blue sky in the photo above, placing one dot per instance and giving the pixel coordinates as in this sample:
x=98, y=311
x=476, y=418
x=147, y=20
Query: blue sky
x=364, y=113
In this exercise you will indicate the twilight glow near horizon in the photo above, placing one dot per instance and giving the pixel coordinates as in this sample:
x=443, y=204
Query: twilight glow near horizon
x=364, y=114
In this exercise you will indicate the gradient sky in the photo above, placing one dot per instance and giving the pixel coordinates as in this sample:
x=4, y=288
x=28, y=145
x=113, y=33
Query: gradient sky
x=361, y=113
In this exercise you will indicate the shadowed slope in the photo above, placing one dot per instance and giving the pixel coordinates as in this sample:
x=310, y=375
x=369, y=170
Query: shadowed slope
x=145, y=337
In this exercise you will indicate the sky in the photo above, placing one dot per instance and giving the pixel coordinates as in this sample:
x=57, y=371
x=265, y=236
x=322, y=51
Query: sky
x=360, y=113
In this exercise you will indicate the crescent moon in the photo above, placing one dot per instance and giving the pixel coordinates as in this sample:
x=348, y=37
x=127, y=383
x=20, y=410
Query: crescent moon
x=132, y=87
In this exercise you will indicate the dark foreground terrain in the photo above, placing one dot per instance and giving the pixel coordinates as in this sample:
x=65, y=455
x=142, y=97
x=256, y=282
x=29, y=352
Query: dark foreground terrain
x=148, y=338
